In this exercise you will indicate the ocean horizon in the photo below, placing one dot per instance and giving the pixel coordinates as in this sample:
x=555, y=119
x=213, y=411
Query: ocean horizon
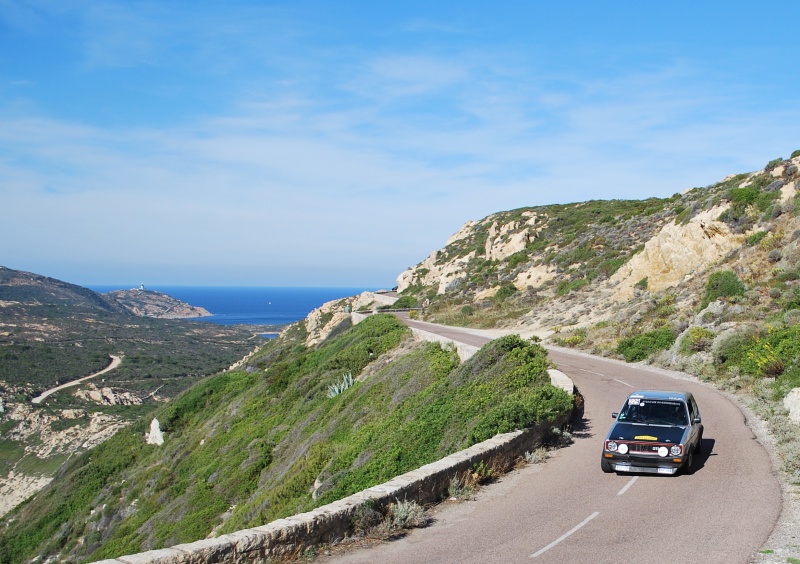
x=249, y=305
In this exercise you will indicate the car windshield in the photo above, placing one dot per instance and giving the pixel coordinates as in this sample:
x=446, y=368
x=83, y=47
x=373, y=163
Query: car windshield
x=658, y=412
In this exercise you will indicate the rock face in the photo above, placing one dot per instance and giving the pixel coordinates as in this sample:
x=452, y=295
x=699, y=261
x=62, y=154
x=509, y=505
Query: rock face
x=45, y=436
x=503, y=239
x=108, y=396
x=324, y=319
x=148, y=303
x=676, y=252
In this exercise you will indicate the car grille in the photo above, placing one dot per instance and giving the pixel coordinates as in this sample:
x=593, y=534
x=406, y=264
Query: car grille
x=646, y=448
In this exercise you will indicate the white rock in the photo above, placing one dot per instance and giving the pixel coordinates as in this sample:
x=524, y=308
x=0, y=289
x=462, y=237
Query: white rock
x=155, y=436
x=792, y=403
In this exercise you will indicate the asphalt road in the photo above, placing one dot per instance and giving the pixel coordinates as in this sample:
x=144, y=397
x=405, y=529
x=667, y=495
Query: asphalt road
x=568, y=511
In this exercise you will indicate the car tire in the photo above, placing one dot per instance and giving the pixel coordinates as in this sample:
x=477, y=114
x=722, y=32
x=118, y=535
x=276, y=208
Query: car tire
x=688, y=463
x=605, y=466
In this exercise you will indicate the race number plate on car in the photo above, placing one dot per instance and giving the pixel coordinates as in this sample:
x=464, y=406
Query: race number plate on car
x=622, y=467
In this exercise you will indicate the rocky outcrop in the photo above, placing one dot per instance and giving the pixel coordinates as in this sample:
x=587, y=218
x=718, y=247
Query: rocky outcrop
x=108, y=396
x=155, y=436
x=148, y=303
x=46, y=435
x=437, y=274
x=324, y=319
x=676, y=252
x=503, y=239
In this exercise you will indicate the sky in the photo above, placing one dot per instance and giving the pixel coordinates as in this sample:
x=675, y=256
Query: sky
x=322, y=143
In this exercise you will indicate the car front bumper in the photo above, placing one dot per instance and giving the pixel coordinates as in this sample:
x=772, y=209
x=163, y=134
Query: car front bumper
x=622, y=463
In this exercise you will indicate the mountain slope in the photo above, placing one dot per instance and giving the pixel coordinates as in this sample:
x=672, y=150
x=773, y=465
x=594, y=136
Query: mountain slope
x=30, y=293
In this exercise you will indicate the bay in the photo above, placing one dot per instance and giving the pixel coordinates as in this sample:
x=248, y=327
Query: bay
x=232, y=305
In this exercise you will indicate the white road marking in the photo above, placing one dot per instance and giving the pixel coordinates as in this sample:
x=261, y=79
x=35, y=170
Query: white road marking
x=624, y=383
x=565, y=535
x=591, y=372
x=629, y=484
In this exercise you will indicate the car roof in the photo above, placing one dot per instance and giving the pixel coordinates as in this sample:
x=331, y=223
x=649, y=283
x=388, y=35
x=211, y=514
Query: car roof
x=661, y=395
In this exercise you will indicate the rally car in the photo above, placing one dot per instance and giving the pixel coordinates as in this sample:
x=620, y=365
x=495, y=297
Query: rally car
x=655, y=432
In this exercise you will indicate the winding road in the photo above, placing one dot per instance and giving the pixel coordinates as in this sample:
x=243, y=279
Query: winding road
x=115, y=361
x=568, y=511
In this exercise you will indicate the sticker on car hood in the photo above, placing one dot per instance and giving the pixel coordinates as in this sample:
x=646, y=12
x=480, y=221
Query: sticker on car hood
x=645, y=438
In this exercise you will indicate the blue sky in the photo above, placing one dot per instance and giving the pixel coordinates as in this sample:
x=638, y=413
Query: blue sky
x=317, y=143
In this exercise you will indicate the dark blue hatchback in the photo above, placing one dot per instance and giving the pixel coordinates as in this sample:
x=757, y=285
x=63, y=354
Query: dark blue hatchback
x=655, y=432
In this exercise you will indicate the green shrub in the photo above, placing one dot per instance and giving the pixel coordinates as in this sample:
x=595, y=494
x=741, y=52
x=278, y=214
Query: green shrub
x=773, y=163
x=576, y=338
x=722, y=284
x=755, y=238
x=518, y=258
x=505, y=291
x=639, y=347
x=566, y=286
x=522, y=409
x=696, y=339
x=795, y=154
x=405, y=302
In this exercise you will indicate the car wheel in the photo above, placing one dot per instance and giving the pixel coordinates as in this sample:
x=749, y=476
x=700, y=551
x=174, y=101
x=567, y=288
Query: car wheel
x=605, y=466
x=687, y=464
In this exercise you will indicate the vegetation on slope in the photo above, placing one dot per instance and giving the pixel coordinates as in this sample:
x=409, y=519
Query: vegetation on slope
x=581, y=244
x=244, y=448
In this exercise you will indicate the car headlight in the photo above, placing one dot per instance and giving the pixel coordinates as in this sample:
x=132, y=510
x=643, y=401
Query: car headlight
x=612, y=446
x=675, y=450
x=622, y=449
x=663, y=451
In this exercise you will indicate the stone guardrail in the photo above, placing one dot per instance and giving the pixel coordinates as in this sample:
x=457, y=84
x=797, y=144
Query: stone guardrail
x=332, y=522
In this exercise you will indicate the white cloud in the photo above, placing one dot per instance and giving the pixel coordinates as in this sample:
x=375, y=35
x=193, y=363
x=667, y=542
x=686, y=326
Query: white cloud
x=324, y=154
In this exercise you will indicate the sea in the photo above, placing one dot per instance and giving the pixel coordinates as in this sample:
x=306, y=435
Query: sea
x=232, y=305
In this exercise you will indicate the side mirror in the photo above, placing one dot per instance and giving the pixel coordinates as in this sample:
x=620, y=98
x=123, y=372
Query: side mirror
x=696, y=420
x=614, y=415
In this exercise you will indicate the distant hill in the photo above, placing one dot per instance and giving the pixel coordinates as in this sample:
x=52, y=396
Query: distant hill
x=149, y=303
x=35, y=294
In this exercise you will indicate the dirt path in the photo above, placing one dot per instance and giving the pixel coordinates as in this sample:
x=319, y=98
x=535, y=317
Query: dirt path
x=115, y=361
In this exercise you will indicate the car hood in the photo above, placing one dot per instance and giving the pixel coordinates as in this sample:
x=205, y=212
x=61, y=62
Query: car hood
x=654, y=433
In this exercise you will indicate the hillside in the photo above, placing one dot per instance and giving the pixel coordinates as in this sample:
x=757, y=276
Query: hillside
x=52, y=332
